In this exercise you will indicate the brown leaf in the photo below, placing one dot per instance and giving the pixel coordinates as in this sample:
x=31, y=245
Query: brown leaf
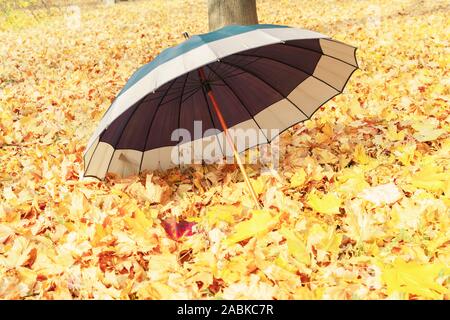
x=31, y=258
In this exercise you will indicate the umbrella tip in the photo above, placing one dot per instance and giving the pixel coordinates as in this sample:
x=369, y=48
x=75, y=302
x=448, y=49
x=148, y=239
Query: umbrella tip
x=186, y=35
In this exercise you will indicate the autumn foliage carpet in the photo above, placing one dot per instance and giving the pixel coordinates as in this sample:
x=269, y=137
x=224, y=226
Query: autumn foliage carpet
x=358, y=209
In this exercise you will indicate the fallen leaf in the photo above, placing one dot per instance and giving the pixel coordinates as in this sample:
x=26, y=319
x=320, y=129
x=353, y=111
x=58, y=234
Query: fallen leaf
x=261, y=222
x=382, y=194
x=414, y=278
x=31, y=258
x=296, y=246
x=177, y=229
x=328, y=204
x=224, y=213
x=299, y=178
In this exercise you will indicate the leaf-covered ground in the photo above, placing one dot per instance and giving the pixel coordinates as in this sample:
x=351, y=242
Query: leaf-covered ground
x=359, y=208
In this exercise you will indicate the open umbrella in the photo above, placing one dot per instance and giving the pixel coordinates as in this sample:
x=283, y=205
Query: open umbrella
x=251, y=77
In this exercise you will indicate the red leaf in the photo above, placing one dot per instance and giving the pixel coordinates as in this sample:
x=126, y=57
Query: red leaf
x=176, y=230
x=41, y=277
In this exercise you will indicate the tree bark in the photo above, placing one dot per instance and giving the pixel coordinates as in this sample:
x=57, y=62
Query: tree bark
x=226, y=12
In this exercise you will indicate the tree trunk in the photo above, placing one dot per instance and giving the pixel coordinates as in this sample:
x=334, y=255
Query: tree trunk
x=225, y=12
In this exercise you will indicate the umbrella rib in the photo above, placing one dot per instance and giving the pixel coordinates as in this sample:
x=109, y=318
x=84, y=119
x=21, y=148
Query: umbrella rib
x=191, y=92
x=212, y=121
x=289, y=65
x=118, y=95
x=230, y=74
x=254, y=75
x=151, y=123
x=240, y=100
x=213, y=82
x=179, y=114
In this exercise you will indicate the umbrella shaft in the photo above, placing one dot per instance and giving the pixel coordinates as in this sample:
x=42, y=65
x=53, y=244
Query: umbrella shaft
x=229, y=139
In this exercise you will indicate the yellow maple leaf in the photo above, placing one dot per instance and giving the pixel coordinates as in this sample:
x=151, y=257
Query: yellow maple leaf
x=360, y=155
x=324, y=239
x=140, y=224
x=225, y=213
x=394, y=135
x=261, y=222
x=259, y=184
x=328, y=129
x=351, y=180
x=325, y=156
x=155, y=290
x=414, y=278
x=431, y=178
x=405, y=153
x=100, y=233
x=234, y=269
x=282, y=263
x=427, y=131
x=296, y=246
x=328, y=204
x=299, y=178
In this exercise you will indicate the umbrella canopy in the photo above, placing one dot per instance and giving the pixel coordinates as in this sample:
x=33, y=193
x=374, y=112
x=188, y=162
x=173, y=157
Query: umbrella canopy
x=262, y=76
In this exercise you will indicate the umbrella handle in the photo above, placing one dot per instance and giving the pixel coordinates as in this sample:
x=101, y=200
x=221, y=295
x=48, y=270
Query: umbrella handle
x=229, y=139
